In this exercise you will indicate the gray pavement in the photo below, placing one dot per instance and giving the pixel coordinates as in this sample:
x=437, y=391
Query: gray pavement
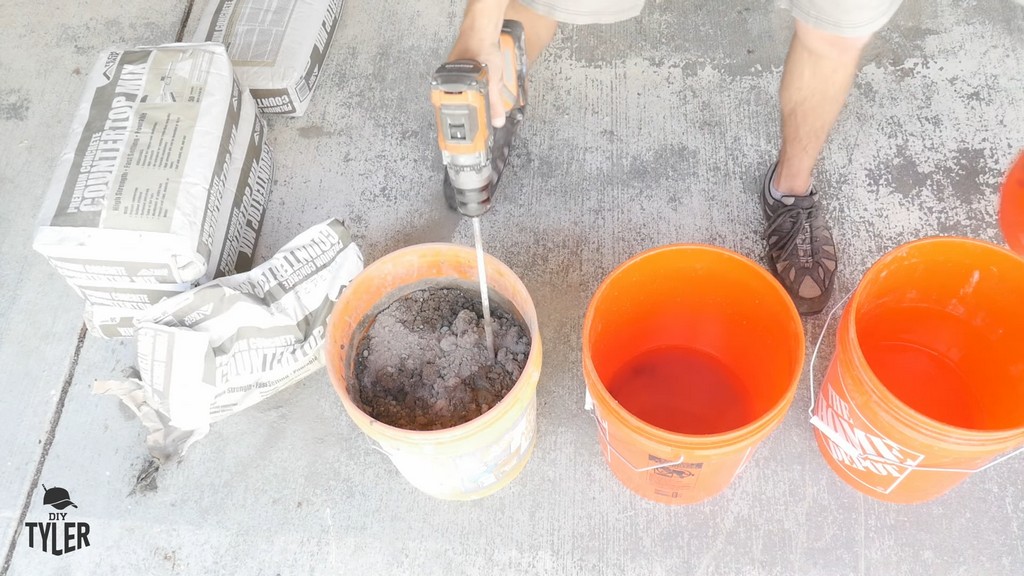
x=639, y=134
x=46, y=50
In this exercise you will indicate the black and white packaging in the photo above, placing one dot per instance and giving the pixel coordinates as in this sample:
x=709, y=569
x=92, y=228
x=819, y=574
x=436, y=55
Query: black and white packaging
x=137, y=185
x=228, y=344
x=162, y=185
x=278, y=47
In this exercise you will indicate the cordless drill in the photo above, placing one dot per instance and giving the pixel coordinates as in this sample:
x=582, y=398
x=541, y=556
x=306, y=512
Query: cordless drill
x=475, y=153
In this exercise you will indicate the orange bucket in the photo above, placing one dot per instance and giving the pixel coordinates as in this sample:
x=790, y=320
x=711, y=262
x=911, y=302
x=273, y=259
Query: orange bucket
x=691, y=356
x=474, y=459
x=1011, y=207
x=926, y=384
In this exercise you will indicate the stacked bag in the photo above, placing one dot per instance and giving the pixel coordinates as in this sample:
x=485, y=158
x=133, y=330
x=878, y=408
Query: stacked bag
x=165, y=177
x=278, y=47
x=157, y=203
x=162, y=185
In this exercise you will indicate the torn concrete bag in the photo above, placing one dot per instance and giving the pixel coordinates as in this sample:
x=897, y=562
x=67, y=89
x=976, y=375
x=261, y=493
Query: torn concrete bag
x=220, y=348
x=162, y=184
x=278, y=47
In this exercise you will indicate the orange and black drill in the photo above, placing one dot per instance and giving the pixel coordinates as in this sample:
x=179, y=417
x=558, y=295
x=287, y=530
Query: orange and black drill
x=474, y=152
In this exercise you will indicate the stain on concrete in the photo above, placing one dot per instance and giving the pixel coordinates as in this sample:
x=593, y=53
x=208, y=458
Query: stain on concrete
x=145, y=480
x=14, y=104
x=312, y=132
x=171, y=557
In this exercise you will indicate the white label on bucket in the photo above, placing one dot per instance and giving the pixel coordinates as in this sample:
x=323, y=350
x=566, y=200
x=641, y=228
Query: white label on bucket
x=482, y=468
x=874, y=461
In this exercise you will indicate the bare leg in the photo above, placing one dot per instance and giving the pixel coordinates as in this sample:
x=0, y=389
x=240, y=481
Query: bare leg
x=819, y=72
x=817, y=77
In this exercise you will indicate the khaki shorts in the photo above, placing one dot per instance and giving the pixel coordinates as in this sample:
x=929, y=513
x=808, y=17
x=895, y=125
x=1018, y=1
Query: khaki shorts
x=841, y=17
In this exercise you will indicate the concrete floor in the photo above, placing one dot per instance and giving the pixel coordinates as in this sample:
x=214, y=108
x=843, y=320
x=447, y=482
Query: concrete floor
x=642, y=133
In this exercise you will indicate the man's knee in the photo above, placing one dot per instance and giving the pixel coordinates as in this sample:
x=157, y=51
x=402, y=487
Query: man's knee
x=840, y=26
x=586, y=11
x=828, y=43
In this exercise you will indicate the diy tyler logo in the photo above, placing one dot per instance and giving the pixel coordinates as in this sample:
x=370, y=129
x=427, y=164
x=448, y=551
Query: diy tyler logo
x=58, y=536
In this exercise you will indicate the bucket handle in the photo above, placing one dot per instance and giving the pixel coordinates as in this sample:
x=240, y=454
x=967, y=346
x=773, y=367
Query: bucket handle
x=841, y=441
x=815, y=421
x=588, y=405
x=376, y=445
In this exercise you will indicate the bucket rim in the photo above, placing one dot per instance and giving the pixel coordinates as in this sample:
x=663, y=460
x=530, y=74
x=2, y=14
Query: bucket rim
x=1012, y=188
x=755, y=428
x=907, y=415
x=523, y=386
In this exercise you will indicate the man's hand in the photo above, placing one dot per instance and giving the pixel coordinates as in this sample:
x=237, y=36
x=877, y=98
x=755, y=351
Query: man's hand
x=478, y=40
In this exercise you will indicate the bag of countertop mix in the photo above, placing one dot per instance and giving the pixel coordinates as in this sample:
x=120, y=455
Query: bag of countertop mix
x=111, y=305
x=228, y=344
x=278, y=47
x=162, y=184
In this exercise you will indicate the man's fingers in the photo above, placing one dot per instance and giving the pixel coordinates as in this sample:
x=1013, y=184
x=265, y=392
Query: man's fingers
x=494, y=82
x=497, y=112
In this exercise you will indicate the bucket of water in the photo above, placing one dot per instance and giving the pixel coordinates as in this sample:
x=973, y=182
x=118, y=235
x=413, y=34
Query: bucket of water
x=691, y=356
x=926, y=385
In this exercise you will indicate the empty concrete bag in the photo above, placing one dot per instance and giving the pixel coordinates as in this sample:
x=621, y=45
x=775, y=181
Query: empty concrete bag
x=162, y=183
x=278, y=47
x=230, y=343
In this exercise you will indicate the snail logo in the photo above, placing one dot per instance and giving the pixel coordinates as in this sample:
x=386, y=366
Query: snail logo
x=57, y=535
